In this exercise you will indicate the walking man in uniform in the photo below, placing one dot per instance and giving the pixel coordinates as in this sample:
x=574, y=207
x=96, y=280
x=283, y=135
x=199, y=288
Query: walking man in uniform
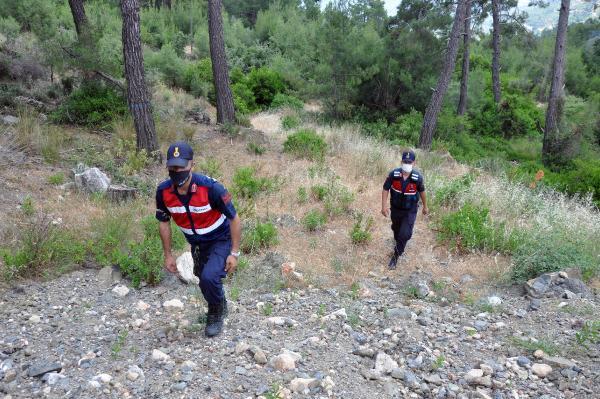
x=202, y=208
x=407, y=186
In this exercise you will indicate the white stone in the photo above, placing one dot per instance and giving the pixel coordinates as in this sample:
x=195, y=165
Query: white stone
x=286, y=360
x=241, y=347
x=494, y=300
x=10, y=120
x=384, y=364
x=138, y=323
x=94, y=384
x=174, y=304
x=103, y=378
x=487, y=370
x=473, y=374
x=35, y=318
x=541, y=369
x=276, y=320
x=387, y=331
x=327, y=384
x=539, y=354
x=120, y=290
x=92, y=180
x=143, y=306
x=303, y=385
x=185, y=268
x=159, y=356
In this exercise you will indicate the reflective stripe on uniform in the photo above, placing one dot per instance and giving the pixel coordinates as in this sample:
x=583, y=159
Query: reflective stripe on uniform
x=176, y=209
x=200, y=209
x=212, y=227
x=186, y=231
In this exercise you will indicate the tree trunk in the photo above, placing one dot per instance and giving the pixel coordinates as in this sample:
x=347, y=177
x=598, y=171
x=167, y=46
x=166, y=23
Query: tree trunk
x=79, y=17
x=552, y=142
x=138, y=97
x=168, y=4
x=225, y=110
x=496, y=50
x=464, y=80
x=435, y=104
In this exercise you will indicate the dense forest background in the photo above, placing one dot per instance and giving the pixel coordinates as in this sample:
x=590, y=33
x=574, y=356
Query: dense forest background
x=358, y=63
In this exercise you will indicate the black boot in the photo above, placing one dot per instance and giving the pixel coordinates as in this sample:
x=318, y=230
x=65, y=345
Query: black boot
x=393, y=262
x=214, y=319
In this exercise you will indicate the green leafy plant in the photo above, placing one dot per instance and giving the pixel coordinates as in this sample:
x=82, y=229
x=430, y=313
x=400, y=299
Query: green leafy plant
x=302, y=195
x=546, y=345
x=255, y=148
x=57, y=179
x=319, y=192
x=27, y=206
x=247, y=185
x=267, y=309
x=305, y=143
x=116, y=348
x=93, y=104
x=361, y=232
x=314, y=220
x=589, y=334
x=289, y=122
x=259, y=236
x=210, y=166
x=286, y=101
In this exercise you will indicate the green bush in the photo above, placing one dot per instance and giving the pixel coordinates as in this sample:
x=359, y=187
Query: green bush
x=290, y=122
x=338, y=199
x=57, y=178
x=265, y=84
x=168, y=64
x=302, y=195
x=319, y=192
x=305, y=143
x=549, y=254
x=143, y=260
x=516, y=115
x=471, y=228
x=256, y=149
x=210, y=166
x=314, y=220
x=589, y=334
x=243, y=98
x=92, y=104
x=448, y=193
x=247, y=185
x=259, y=236
x=361, y=230
x=44, y=250
x=198, y=79
x=583, y=178
x=286, y=101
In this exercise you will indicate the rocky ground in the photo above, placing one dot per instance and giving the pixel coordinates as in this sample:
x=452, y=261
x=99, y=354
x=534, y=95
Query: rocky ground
x=87, y=335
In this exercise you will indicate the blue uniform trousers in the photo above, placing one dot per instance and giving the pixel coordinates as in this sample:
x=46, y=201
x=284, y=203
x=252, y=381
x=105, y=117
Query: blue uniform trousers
x=403, y=222
x=209, y=266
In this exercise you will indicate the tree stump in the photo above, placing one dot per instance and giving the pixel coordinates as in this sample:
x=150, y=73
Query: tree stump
x=120, y=193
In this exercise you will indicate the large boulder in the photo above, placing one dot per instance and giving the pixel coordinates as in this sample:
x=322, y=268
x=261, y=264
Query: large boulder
x=557, y=284
x=92, y=180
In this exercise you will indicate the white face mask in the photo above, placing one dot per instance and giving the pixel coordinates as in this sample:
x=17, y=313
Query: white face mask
x=407, y=167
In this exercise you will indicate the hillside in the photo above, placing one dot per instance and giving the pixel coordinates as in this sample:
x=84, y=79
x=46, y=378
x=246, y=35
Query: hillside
x=444, y=325
x=540, y=19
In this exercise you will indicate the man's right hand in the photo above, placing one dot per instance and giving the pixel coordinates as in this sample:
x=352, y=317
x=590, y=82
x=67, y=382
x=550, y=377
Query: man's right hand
x=170, y=264
x=385, y=212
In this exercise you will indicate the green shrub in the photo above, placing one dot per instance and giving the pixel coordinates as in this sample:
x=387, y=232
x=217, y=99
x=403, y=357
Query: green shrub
x=361, y=232
x=255, y=148
x=290, y=122
x=143, y=260
x=168, y=64
x=314, y=220
x=110, y=235
x=286, y=101
x=259, y=236
x=305, y=143
x=583, y=178
x=247, y=185
x=516, y=115
x=93, y=104
x=27, y=207
x=549, y=254
x=471, y=228
x=338, y=200
x=57, y=179
x=198, y=79
x=243, y=98
x=45, y=249
x=448, y=193
x=265, y=84
x=319, y=192
x=590, y=333
x=302, y=195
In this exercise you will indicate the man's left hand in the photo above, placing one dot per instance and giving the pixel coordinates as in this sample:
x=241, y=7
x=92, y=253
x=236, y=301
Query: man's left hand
x=425, y=210
x=231, y=264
